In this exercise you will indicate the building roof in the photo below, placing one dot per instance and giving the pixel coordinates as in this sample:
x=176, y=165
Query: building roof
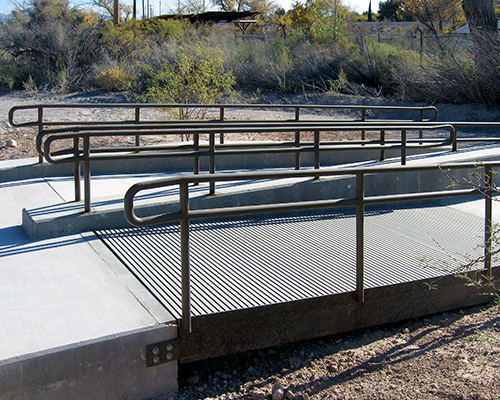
x=211, y=16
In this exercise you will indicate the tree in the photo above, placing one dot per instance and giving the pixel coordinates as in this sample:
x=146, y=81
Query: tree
x=434, y=14
x=245, y=5
x=480, y=15
x=391, y=10
x=323, y=20
x=108, y=7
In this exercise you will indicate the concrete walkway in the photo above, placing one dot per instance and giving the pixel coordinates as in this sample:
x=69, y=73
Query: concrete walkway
x=63, y=301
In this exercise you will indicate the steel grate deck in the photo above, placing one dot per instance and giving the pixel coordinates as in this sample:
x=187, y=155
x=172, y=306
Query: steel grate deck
x=261, y=260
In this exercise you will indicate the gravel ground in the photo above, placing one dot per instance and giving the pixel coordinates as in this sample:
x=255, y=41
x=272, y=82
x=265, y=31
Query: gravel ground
x=453, y=355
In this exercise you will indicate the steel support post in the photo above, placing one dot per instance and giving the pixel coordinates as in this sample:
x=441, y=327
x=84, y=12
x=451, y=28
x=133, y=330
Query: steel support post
x=212, y=161
x=185, y=267
x=76, y=169
x=363, y=118
x=316, y=152
x=454, y=146
x=297, y=140
x=86, y=172
x=488, y=229
x=403, y=147
x=360, y=238
x=40, y=128
x=221, y=118
x=196, y=161
x=137, y=120
x=382, y=142
x=421, y=132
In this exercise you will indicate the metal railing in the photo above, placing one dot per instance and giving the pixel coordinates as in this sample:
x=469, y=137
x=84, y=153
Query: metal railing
x=185, y=214
x=76, y=154
x=136, y=118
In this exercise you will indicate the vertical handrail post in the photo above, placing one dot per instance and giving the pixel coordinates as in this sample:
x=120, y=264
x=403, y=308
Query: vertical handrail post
x=77, y=169
x=297, y=140
x=403, y=147
x=454, y=146
x=211, y=145
x=360, y=238
x=40, y=128
x=137, y=120
x=196, y=161
x=221, y=119
x=421, y=131
x=488, y=229
x=86, y=172
x=363, y=118
x=185, y=264
x=316, y=151
x=382, y=142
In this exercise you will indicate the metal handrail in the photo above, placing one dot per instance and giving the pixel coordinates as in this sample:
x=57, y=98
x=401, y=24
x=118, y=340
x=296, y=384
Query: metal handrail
x=42, y=122
x=137, y=107
x=196, y=150
x=185, y=214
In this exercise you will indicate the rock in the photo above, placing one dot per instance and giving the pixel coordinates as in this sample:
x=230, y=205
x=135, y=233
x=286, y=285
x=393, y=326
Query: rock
x=445, y=322
x=332, y=368
x=200, y=389
x=278, y=392
x=257, y=395
x=193, y=379
x=11, y=143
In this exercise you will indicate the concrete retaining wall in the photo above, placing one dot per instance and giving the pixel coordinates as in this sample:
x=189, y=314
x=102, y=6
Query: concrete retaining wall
x=108, y=368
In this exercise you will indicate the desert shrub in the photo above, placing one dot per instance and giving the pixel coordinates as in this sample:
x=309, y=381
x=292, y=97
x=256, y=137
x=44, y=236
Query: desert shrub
x=195, y=77
x=459, y=76
x=8, y=72
x=114, y=79
x=51, y=43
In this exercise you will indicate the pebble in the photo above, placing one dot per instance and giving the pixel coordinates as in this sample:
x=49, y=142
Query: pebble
x=193, y=379
x=278, y=392
x=11, y=143
x=257, y=395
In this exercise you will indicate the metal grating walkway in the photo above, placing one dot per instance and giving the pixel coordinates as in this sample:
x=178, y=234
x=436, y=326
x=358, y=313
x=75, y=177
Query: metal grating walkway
x=254, y=261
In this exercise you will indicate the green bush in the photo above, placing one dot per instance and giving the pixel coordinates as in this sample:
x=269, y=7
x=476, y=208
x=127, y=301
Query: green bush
x=194, y=78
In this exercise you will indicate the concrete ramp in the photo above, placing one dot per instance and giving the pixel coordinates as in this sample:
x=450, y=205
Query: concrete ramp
x=64, y=216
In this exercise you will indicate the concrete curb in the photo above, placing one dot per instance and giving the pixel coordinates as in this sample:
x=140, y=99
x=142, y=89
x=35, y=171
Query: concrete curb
x=111, y=367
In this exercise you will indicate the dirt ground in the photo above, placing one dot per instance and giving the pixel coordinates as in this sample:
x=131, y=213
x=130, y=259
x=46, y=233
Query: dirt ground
x=454, y=355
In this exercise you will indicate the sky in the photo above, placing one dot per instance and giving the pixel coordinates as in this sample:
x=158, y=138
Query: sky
x=360, y=6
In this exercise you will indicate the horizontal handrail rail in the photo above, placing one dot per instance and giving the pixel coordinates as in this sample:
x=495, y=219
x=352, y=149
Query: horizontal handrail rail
x=185, y=214
x=179, y=127
x=196, y=150
x=137, y=107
